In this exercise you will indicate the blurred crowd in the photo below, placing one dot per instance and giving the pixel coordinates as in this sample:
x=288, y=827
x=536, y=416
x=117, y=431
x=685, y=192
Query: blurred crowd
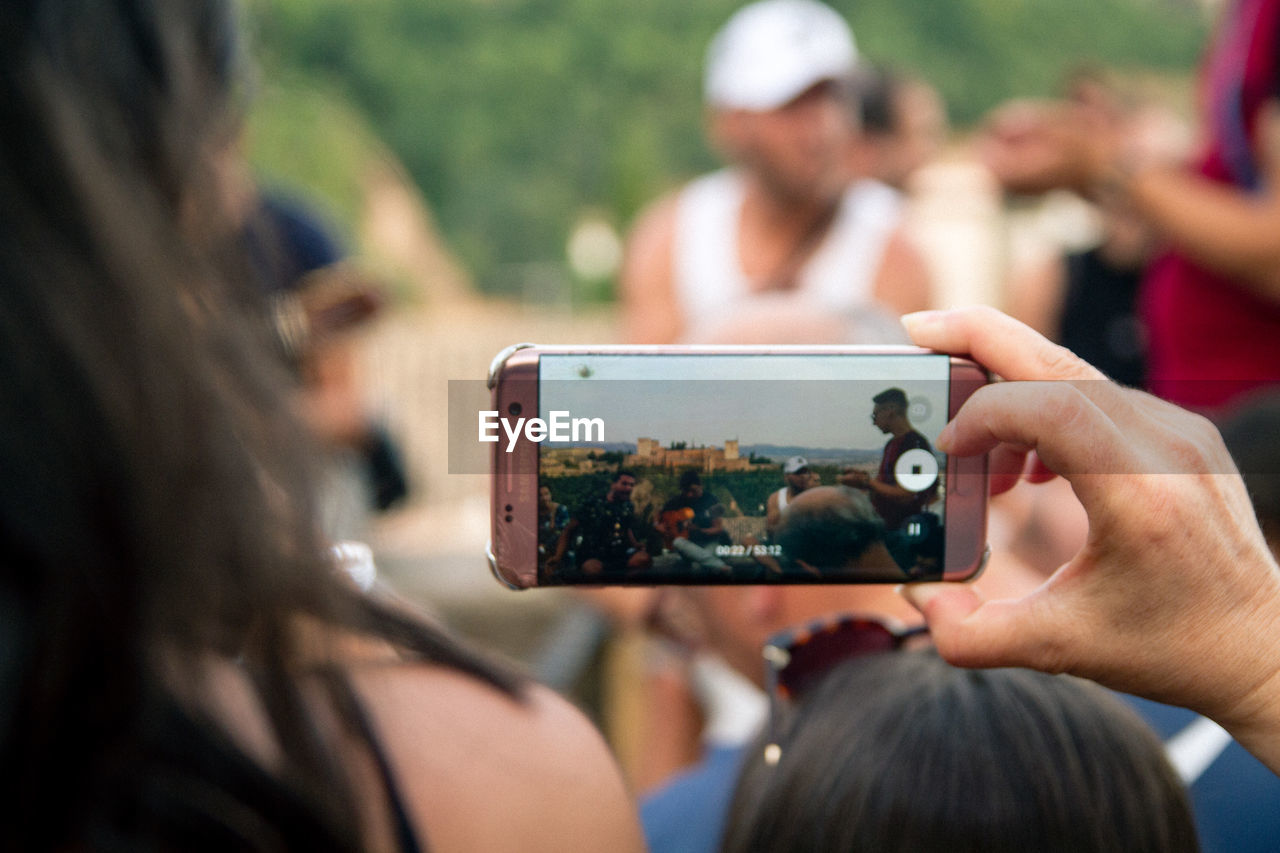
x=195, y=653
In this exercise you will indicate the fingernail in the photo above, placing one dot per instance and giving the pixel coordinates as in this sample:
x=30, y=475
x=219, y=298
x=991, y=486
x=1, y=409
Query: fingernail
x=918, y=595
x=920, y=320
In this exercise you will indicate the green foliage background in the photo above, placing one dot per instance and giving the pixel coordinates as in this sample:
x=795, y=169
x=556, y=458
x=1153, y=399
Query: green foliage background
x=518, y=117
x=741, y=492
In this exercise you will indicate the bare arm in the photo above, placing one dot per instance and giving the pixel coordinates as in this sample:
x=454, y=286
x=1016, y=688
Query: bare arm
x=772, y=515
x=650, y=310
x=1236, y=233
x=862, y=480
x=1220, y=227
x=716, y=527
x=891, y=491
x=853, y=478
x=1036, y=297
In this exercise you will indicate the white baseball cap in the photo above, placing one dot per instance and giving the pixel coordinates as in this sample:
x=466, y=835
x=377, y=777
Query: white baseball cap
x=794, y=464
x=770, y=52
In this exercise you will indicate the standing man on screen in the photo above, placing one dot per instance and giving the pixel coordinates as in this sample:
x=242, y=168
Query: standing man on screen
x=894, y=503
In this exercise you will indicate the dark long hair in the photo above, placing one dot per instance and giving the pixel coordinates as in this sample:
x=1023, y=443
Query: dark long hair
x=155, y=510
x=901, y=752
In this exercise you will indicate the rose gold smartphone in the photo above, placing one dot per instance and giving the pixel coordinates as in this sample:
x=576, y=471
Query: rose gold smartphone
x=709, y=465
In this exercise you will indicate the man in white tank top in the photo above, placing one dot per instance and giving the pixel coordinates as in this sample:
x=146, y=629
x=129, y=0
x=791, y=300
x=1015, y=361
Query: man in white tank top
x=783, y=245
x=796, y=472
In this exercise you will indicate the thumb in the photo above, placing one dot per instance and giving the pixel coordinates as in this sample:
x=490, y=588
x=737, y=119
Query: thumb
x=942, y=602
x=971, y=632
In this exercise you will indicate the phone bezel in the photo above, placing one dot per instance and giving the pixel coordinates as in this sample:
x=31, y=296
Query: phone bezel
x=513, y=378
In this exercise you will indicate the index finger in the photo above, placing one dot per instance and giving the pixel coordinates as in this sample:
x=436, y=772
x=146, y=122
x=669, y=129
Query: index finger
x=999, y=343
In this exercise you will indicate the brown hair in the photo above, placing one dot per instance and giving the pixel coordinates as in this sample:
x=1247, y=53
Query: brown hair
x=155, y=511
x=902, y=752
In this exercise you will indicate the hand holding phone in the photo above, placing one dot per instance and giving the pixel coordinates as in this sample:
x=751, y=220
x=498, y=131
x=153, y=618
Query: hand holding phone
x=1175, y=596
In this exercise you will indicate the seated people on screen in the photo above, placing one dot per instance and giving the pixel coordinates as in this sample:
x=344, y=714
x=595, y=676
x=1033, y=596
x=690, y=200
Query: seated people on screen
x=799, y=477
x=552, y=519
x=833, y=530
x=692, y=523
x=608, y=527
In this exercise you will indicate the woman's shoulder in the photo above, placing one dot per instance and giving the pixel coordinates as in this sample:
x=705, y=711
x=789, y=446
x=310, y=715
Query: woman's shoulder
x=477, y=769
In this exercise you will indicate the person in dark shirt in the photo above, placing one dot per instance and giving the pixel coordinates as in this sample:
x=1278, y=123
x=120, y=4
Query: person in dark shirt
x=607, y=527
x=705, y=514
x=692, y=525
x=894, y=503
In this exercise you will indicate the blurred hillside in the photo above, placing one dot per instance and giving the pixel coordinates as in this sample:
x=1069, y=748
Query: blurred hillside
x=520, y=119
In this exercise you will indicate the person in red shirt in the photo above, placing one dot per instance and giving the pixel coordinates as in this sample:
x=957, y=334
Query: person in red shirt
x=1211, y=301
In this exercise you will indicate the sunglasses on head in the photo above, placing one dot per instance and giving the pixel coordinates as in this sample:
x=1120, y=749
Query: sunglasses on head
x=797, y=658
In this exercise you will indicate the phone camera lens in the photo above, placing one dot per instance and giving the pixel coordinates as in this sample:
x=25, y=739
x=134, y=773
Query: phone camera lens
x=508, y=507
x=510, y=519
x=515, y=409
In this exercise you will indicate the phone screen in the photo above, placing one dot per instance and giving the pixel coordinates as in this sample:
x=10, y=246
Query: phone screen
x=712, y=468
